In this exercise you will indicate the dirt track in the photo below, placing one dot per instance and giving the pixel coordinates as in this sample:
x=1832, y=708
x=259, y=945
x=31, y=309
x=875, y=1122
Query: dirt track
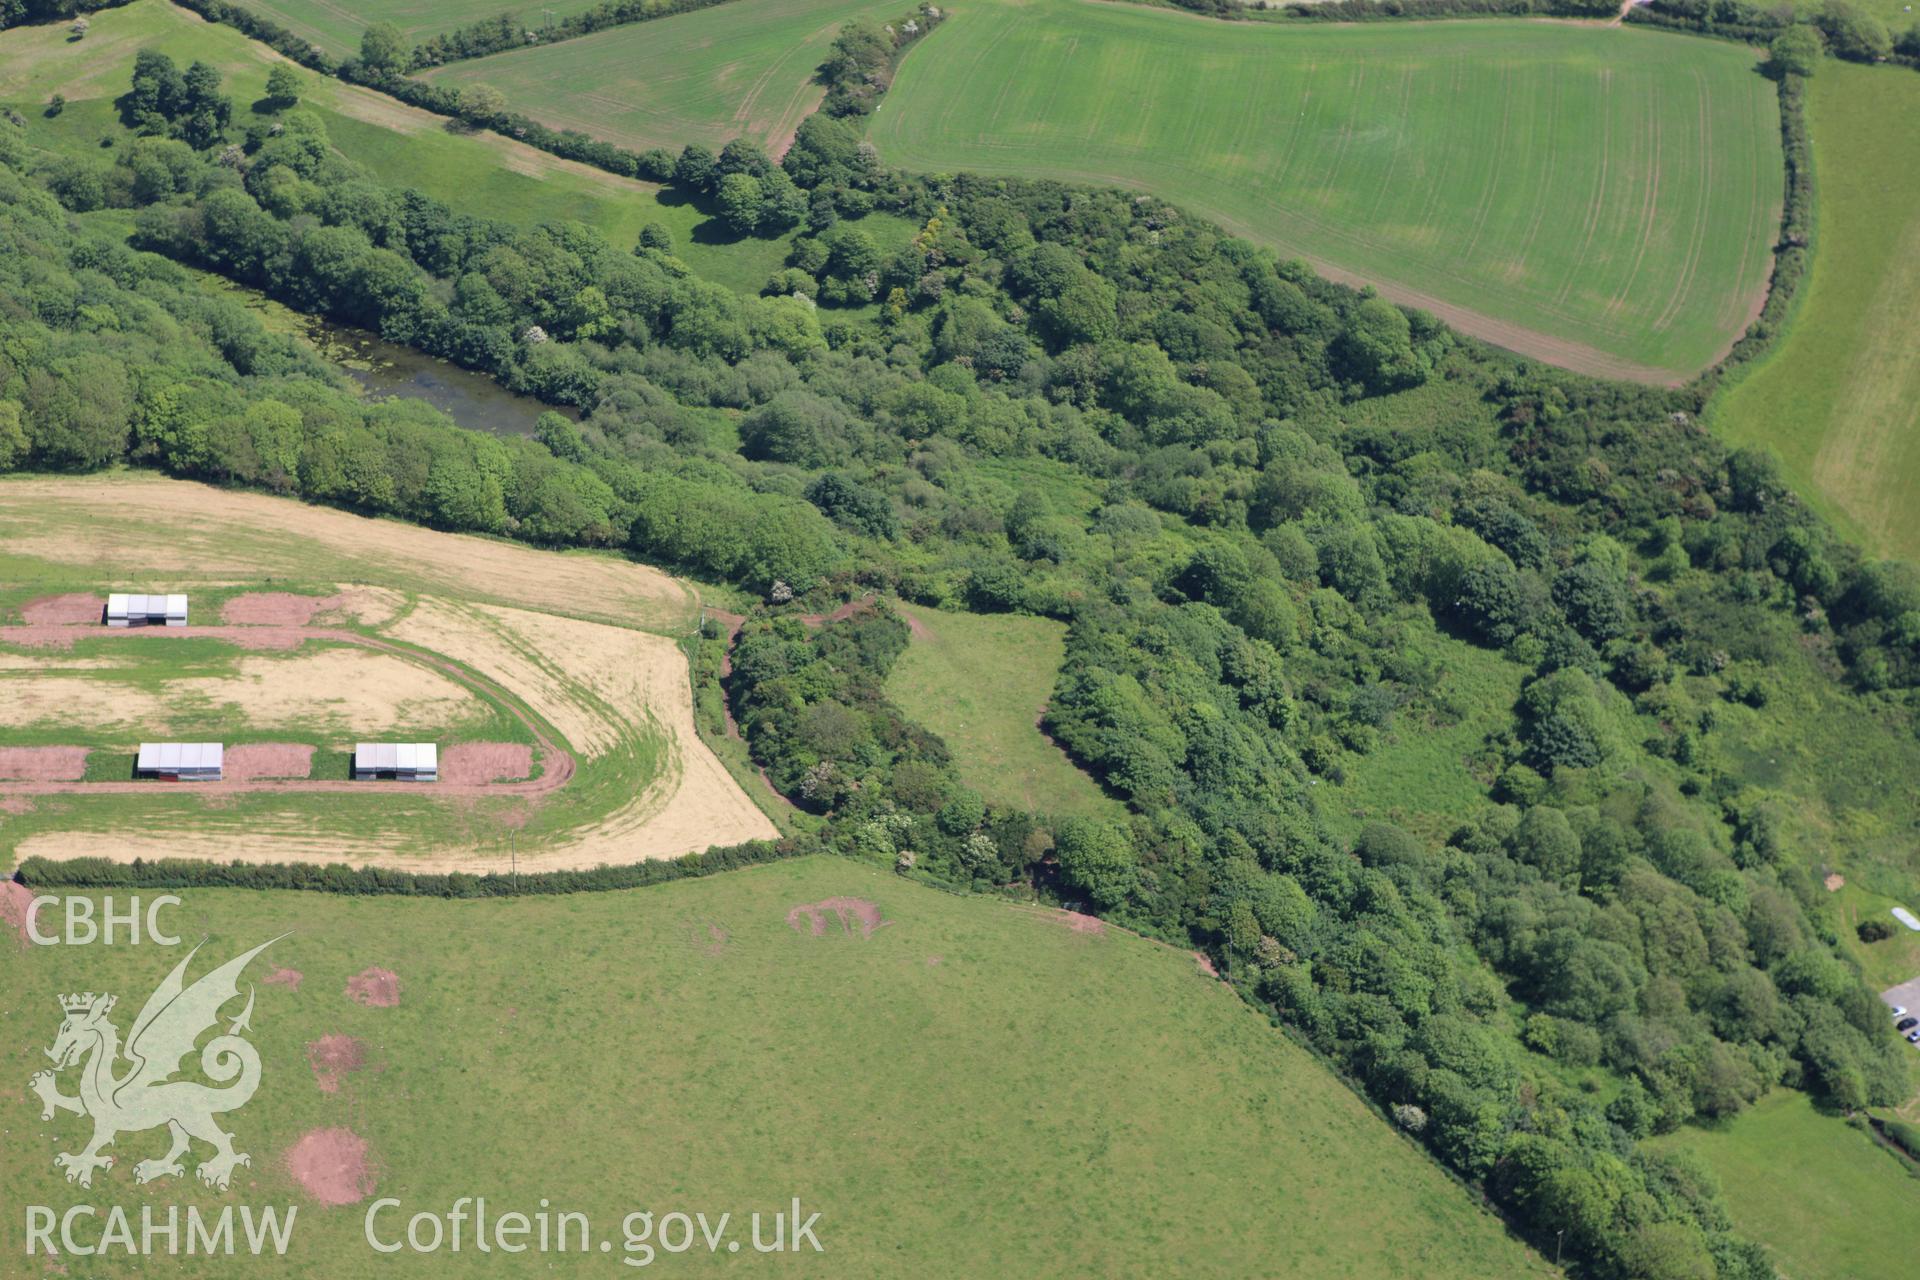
x=559, y=762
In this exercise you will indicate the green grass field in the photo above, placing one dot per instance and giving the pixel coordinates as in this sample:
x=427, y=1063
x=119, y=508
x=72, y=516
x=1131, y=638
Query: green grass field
x=335, y=28
x=1840, y=398
x=981, y=681
x=971, y=1090
x=1602, y=198
x=1811, y=1189
x=742, y=69
x=478, y=172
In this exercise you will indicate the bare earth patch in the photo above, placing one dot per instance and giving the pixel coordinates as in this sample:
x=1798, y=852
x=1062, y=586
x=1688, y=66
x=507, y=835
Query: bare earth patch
x=268, y=760
x=73, y=609
x=846, y=912
x=474, y=763
x=375, y=988
x=1079, y=922
x=43, y=764
x=332, y=1166
x=1205, y=962
x=275, y=609
x=283, y=977
x=15, y=899
x=333, y=1058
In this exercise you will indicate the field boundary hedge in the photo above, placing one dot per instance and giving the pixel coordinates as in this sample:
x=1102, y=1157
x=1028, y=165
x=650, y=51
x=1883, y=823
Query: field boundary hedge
x=1792, y=252
x=336, y=877
x=504, y=32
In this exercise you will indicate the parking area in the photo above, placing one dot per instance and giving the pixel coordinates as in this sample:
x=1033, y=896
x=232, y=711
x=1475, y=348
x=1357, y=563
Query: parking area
x=1906, y=995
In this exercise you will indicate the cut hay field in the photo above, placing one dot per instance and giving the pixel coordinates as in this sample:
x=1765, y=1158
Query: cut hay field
x=958, y=1086
x=1810, y=1188
x=1601, y=198
x=742, y=69
x=1839, y=399
x=981, y=681
x=339, y=629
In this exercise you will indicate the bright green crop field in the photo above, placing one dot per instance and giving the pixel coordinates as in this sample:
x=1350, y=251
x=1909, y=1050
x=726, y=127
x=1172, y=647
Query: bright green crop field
x=742, y=69
x=968, y=1088
x=1839, y=399
x=1603, y=198
x=335, y=27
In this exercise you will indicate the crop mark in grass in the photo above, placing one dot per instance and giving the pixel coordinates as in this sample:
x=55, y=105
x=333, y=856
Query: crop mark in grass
x=1649, y=214
x=1697, y=242
x=1517, y=271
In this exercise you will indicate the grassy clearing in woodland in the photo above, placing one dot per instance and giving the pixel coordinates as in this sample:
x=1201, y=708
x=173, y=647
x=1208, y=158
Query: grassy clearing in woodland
x=1096, y=1104
x=981, y=681
x=1840, y=398
x=1599, y=198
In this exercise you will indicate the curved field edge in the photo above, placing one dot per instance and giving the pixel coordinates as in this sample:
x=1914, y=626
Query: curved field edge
x=1109, y=1107
x=1839, y=398
x=1600, y=198
x=617, y=698
x=742, y=69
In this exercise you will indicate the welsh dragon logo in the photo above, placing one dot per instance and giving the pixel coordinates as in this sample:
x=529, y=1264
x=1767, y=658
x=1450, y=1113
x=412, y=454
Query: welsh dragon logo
x=145, y=1095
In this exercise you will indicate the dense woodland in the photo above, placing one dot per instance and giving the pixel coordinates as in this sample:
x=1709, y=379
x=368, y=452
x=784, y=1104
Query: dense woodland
x=1245, y=489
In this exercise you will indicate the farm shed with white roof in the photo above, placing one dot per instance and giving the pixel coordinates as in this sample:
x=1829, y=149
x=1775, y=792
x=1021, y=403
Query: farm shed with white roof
x=401, y=761
x=132, y=610
x=181, y=761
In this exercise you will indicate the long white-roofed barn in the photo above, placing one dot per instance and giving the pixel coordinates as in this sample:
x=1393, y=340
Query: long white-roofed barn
x=181, y=761
x=126, y=609
x=397, y=761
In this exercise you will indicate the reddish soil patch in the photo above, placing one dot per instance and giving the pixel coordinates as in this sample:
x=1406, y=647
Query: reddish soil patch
x=1078, y=922
x=933, y=962
x=15, y=899
x=43, y=764
x=75, y=609
x=288, y=978
x=268, y=760
x=331, y=1166
x=474, y=763
x=333, y=1058
x=916, y=628
x=847, y=912
x=275, y=609
x=1205, y=962
x=375, y=988
x=841, y=614
x=709, y=937
x=732, y=622
x=15, y=805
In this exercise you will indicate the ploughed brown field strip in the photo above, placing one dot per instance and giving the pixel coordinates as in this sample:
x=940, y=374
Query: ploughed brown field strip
x=559, y=763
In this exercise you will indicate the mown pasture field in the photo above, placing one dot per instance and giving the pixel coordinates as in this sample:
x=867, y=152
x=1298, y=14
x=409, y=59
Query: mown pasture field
x=576, y=660
x=1810, y=1188
x=963, y=1087
x=742, y=69
x=1602, y=198
x=981, y=681
x=1840, y=398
